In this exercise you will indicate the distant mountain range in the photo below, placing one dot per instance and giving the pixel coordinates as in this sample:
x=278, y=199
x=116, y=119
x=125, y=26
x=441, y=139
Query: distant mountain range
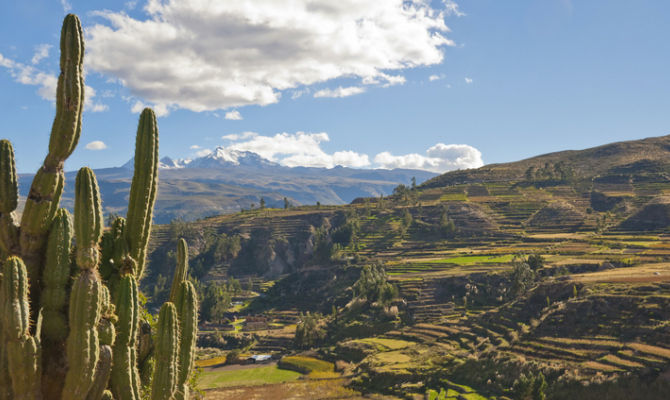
x=226, y=181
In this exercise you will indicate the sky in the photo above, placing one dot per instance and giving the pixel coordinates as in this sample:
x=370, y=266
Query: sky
x=429, y=84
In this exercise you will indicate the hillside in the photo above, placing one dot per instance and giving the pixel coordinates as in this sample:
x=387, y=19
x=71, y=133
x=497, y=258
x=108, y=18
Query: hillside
x=636, y=157
x=469, y=318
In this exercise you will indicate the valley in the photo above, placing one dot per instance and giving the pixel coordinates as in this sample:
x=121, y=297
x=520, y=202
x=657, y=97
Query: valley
x=551, y=274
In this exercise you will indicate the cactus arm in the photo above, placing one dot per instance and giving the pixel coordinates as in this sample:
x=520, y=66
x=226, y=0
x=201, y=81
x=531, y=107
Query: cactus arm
x=181, y=271
x=164, y=383
x=47, y=187
x=9, y=197
x=187, y=307
x=87, y=219
x=22, y=350
x=88, y=295
x=102, y=372
x=143, y=189
x=124, y=372
x=82, y=342
x=66, y=127
x=56, y=279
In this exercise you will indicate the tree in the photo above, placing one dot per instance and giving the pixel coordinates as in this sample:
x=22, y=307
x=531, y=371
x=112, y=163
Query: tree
x=308, y=332
x=535, y=261
x=373, y=286
x=447, y=226
x=522, y=278
x=286, y=204
x=413, y=183
x=262, y=203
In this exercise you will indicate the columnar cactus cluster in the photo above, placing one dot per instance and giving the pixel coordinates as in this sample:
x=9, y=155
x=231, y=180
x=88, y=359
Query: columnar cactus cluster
x=71, y=322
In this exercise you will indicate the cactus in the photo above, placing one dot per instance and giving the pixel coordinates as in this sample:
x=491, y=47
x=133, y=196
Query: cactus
x=79, y=282
x=124, y=371
x=45, y=191
x=181, y=271
x=22, y=349
x=187, y=309
x=164, y=383
x=143, y=189
x=102, y=372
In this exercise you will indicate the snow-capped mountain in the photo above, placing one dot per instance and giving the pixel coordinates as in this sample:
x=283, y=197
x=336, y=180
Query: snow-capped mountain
x=219, y=158
x=222, y=157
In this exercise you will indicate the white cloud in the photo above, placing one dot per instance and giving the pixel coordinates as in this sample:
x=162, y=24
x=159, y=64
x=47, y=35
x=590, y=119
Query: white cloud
x=240, y=136
x=300, y=149
x=194, y=147
x=452, y=8
x=96, y=145
x=468, y=80
x=296, y=94
x=47, y=82
x=41, y=52
x=340, y=92
x=66, y=5
x=435, y=77
x=439, y=158
x=203, y=152
x=161, y=110
x=234, y=53
x=233, y=115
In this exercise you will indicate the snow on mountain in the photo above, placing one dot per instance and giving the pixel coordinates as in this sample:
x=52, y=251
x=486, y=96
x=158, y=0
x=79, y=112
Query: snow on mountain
x=222, y=157
x=219, y=158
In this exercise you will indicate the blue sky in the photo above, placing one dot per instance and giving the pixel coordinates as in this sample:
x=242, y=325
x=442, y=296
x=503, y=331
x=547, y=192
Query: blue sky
x=508, y=79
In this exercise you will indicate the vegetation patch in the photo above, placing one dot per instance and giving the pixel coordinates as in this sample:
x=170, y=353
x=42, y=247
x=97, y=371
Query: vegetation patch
x=305, y=365
x=246, y=377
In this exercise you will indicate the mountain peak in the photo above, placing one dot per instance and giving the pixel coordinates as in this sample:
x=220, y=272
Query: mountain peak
x=223, y=157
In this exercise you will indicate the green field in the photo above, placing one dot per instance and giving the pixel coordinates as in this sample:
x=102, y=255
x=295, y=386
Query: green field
x=246, y=377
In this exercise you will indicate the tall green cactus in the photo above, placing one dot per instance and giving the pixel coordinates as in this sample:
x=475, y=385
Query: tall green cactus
x=164, y=383
x=69, y=299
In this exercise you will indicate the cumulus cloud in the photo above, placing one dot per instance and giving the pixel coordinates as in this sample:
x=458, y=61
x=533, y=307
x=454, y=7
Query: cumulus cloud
x=234, y=53
x=340, y=92
x=41, y=52
x=46, y=82
x=233, y=115
x=439, y=158
x=468, y=80
x=299, y=149
x=96, y=145
x=435, y=77
x=194, y=147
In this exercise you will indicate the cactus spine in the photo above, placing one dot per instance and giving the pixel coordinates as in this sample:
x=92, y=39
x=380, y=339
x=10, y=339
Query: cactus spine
x=86, y=296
